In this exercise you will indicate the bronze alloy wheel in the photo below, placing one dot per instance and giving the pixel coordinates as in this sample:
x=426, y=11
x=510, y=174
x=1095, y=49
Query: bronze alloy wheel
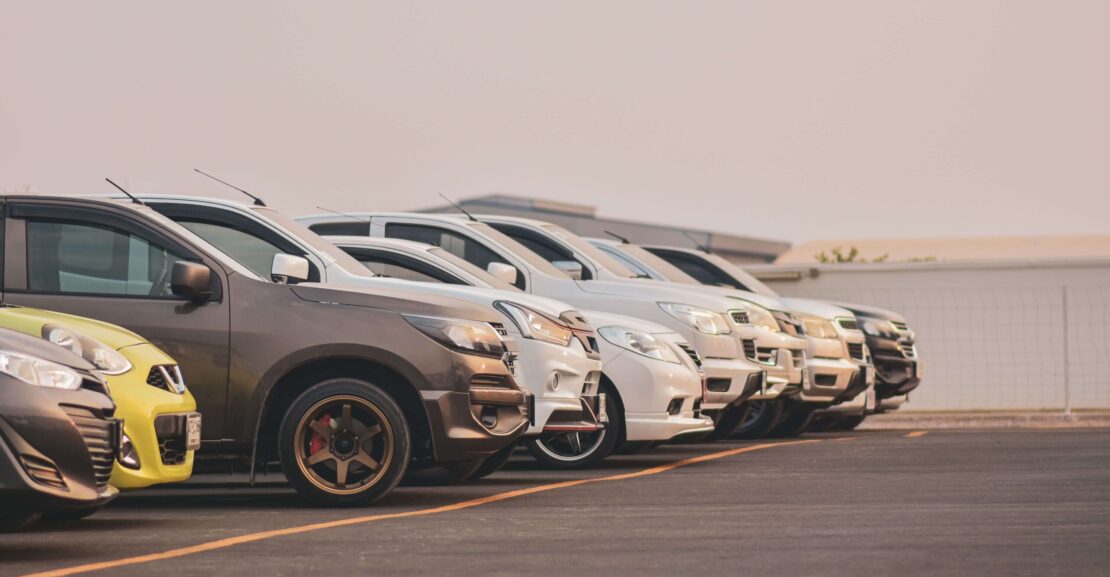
x=343, y=444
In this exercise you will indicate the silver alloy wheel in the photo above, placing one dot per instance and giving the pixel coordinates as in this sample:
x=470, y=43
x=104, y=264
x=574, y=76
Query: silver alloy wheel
x=571, y=446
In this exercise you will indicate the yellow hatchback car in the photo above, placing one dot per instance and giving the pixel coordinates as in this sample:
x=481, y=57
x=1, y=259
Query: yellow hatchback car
x=160, y=422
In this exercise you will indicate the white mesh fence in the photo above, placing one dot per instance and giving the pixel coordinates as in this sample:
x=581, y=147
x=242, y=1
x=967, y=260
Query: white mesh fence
x=994, y=347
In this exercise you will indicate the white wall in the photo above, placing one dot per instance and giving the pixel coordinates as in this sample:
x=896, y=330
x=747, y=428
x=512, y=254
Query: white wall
x=994, y=335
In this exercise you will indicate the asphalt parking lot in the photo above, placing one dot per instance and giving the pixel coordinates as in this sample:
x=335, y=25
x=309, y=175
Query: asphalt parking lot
x=1000, y=502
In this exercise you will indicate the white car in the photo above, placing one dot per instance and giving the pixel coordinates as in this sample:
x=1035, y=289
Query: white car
x=651, y=377
x=713, y=324
x=835, y=348
x=557, y=359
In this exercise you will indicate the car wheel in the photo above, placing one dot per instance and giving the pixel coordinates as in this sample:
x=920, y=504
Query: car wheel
x=494, y=463
x=794, y=422
x=726, y=423
x=17, y=520
x=579, y=450
x=344, y=442
x=759, y=420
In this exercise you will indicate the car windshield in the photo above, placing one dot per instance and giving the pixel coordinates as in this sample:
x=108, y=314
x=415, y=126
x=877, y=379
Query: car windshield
x=590, y=251
x=668, y=271
x=318, y=244
x=750, y=282
x=483, y=277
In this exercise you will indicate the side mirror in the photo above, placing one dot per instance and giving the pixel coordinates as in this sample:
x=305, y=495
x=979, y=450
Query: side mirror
x=191, y=280
x=289, y=269
x=503, y=271
x=572, y=268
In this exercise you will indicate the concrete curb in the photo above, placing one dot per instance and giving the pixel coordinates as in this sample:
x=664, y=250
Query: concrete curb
x=986, y=420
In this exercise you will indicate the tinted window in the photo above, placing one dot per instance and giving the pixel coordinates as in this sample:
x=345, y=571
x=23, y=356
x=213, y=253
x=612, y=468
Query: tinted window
x=93, y=259
x=465, y=248
x=701, y=270
x=547, y=249
x=249, y=250
x=341, y=228
x=628, y=262
x=402, y=267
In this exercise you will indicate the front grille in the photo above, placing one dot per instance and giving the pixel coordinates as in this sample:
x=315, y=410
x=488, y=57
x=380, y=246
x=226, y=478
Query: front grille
x=718, y=385
x=908, y=350
x=749, y=350
x=766, y=355
x=97, y=433
x=900, y=326
x=693, y=354
x=740, y=318
x=172, y=449
x=500, y=328
x=166, y=377
x=489, y=381
x=855, y=350
x=43, y=471
x=848, y=324
x=788, y=324
x=799, y=360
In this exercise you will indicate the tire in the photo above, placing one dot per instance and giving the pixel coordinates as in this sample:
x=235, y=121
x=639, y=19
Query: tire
x=726, y=424
x=17, y=520
x=442, y=475
x=494, y=463
x=636, y=447
x=823, y=423
x=759, y=420
x=321, y=453
x=70, y=514
x=558, y=450
x=847, y=423
x=794, y=422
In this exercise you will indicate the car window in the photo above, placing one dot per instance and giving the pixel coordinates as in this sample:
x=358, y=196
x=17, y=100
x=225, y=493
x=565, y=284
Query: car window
x=247, y=249
x=483, y=276
x=584, y=247
x=627, y=262
x=65, y=257
x=341, y=228
x=401, y=267
x=704, y=272
x=461, y=246
x=546, y=248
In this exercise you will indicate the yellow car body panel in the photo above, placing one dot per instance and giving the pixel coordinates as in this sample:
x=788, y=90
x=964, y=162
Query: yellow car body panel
x=137, y=402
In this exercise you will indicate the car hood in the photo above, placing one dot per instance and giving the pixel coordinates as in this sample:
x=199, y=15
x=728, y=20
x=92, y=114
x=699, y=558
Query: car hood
x=398, y=299
x=820, y=309
x=18, y=342
x=873, y=312
x=604, y=319
x=479, y=295
x=717, y=299
x=30, y=321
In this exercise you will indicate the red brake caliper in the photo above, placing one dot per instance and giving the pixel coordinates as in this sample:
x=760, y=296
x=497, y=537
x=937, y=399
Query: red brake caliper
x=318, y=443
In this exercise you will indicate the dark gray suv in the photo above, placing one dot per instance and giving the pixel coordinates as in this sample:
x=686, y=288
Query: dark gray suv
x=343, y=386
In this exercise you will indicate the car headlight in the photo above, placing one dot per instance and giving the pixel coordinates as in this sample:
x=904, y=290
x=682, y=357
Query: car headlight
x=758, y=316
x=879, y=328
x=818, y=327
x=536, y=325
x=466, y=336
x=106, y=359
x=640, y=343
x=41, y=372
x=702, y=320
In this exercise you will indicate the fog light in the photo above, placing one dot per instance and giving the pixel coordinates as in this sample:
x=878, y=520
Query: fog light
x=489, y=417
x=553, y=382
x=128, y=456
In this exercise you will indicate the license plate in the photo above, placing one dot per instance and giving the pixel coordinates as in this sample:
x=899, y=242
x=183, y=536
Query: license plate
x=192, y=432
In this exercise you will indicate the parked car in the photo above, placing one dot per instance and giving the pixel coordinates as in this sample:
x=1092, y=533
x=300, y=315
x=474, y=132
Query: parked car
x=897, y=367
x=161, y=426
x=705, y=321
x=557, y=360
x=650, y=399
x=58, y=435
x=342, y=386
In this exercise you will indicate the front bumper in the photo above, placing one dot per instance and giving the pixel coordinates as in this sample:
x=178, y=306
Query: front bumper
x=831, y=381
x=151, y=417
x=731, y=381
x=56, y=448
x=556, y=377
x=664, y=426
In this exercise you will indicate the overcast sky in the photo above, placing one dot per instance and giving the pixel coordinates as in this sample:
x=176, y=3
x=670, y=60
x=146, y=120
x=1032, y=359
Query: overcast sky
x=791, y=120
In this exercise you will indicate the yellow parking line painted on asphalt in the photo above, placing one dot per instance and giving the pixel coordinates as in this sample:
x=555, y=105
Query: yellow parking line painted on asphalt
x=252, y=537
x=843, y=439
x=916, y=434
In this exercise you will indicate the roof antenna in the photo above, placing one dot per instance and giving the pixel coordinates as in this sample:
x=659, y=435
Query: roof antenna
x=129, y=195
x=617, y=236
x=459, y=208
x=696, y=242
x=354, y=216
x=257, y=201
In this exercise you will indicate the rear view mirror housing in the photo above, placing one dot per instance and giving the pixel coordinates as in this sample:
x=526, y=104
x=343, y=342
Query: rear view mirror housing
x=502, y=271
x=191, y=280
x=572, y=268
x=289, y=269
